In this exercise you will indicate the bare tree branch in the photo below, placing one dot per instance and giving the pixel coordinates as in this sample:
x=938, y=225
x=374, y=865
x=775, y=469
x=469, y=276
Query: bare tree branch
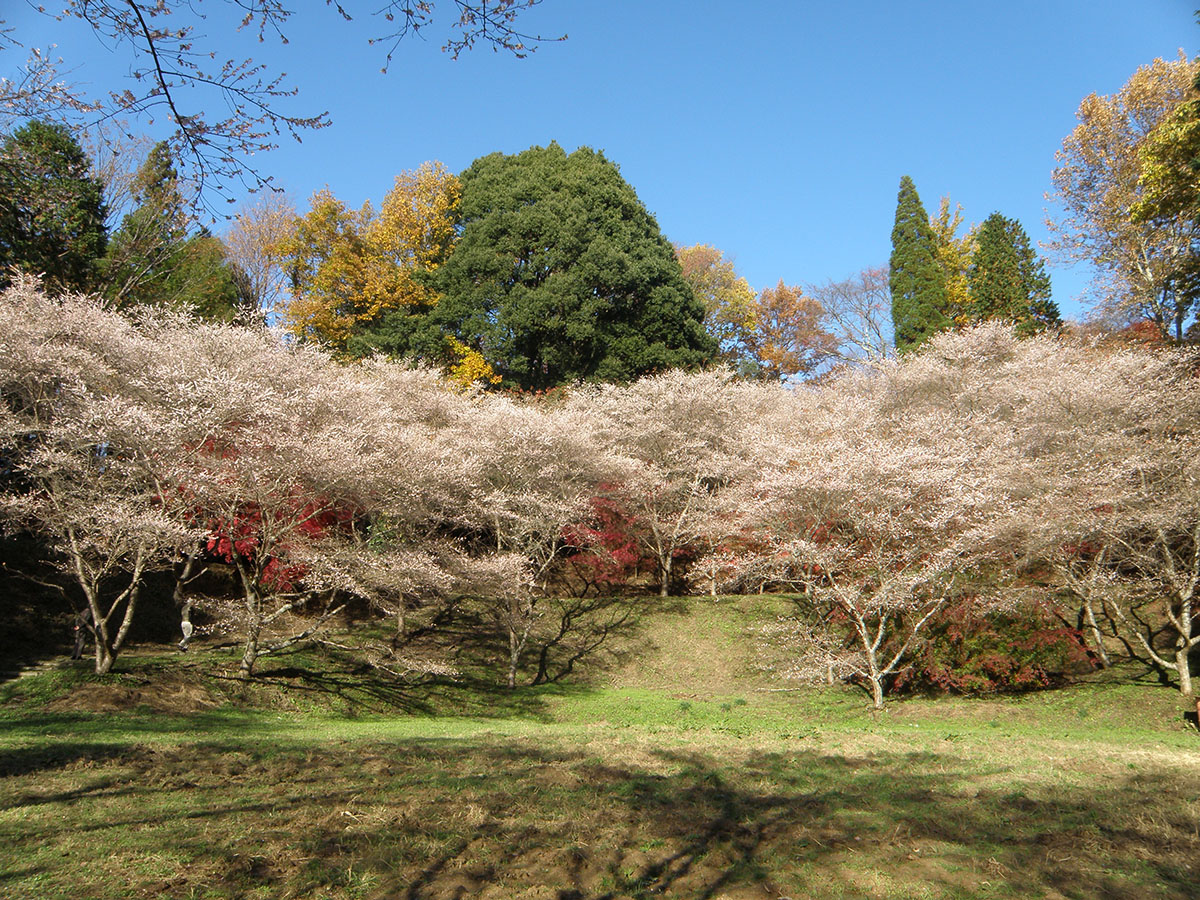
x=179, y=71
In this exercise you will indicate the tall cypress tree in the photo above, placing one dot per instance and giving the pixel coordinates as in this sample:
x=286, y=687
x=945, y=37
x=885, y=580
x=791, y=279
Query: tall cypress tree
x=917, y=282
x=1007, y=279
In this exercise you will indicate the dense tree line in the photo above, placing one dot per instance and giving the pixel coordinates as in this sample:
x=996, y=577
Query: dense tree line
x=528, y=271
x=558, y=273
x=1126, y=181
x=55, y=222
x=940, y=281
x=1003, y=474
x=986, y=473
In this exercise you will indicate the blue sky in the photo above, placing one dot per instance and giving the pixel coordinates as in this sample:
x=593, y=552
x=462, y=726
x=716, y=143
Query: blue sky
x=777, y=131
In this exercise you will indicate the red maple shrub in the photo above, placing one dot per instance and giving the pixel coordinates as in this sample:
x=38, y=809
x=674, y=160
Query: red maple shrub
x=968, y=651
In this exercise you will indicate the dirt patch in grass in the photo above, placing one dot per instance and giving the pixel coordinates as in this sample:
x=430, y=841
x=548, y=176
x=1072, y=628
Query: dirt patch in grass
x=165, y=692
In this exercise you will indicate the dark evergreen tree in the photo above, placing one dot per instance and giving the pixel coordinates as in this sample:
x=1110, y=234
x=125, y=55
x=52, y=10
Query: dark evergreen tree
x=560, y=273
x=917, y=282
x=143, y=250
x=51, y=209
x=152, y=258
x=202, y=280
x=1007, y=279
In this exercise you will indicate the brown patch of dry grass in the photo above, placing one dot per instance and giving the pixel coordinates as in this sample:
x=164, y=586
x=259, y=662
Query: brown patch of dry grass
x=167, y=692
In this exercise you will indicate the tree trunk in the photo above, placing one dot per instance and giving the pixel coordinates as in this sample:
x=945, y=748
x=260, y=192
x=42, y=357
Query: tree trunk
x=1097, y=637
x=874, y=676
x=876, y=691
x=250, y=654
x=254, y=617
x=1182, y=665
x=127, y=620
x=104, y=656
x=107, y=644
x=514, y=657
x=664, y=565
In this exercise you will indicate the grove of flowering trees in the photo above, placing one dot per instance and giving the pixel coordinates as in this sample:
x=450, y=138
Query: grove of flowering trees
x=980, y=473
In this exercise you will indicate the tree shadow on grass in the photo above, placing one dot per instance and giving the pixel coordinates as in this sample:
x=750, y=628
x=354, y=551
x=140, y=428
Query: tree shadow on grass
x=574, y=641
x=45, y=757
x=434, y=819
x=467, y=696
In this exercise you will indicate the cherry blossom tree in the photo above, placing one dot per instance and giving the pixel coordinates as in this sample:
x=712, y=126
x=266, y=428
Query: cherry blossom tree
x=81, y=433
x=534, y=467
x=1112, y=444
x=685, y=439
x=883, y=501
x=284, y=472
x=1071, y=465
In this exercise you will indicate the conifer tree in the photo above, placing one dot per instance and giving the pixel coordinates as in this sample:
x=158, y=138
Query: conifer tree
x=143, y=250
x=916, y=280
x=51, y=209
x=1007, y=280
x=152, y=258
x=559, y=274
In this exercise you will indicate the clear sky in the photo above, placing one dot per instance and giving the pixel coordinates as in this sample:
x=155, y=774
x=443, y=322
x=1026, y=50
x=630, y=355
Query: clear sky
x=777, y=131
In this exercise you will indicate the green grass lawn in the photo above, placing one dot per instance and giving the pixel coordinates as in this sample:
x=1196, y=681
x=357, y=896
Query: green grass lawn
x=676, y=770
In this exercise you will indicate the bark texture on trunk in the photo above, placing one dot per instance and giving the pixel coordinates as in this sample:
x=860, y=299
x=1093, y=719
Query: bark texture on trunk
x=1183, y=666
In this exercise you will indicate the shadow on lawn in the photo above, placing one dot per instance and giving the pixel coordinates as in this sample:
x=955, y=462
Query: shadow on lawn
x=353, y=694
x=430, y=819
x=579, y=638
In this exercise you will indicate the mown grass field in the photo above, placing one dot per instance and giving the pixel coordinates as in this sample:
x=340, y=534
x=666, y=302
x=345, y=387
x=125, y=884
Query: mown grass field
x=675, y=769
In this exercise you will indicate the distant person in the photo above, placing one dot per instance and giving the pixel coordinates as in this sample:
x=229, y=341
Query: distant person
x=185, y=624
x=83, y=624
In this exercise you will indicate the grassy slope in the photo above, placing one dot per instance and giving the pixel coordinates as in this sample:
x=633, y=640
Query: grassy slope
x=682, y=771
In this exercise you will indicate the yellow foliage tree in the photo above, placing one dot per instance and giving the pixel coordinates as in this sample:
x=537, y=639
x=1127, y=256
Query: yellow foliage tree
x=349, y=267
x=953, y=254
x=471, y=368
x=730, y=305
x=1101, y=185
x=790, y=336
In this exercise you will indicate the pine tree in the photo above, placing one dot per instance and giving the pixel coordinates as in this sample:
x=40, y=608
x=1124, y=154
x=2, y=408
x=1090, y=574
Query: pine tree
x=51, y=209
x=1007, y=280
x=917, y=281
